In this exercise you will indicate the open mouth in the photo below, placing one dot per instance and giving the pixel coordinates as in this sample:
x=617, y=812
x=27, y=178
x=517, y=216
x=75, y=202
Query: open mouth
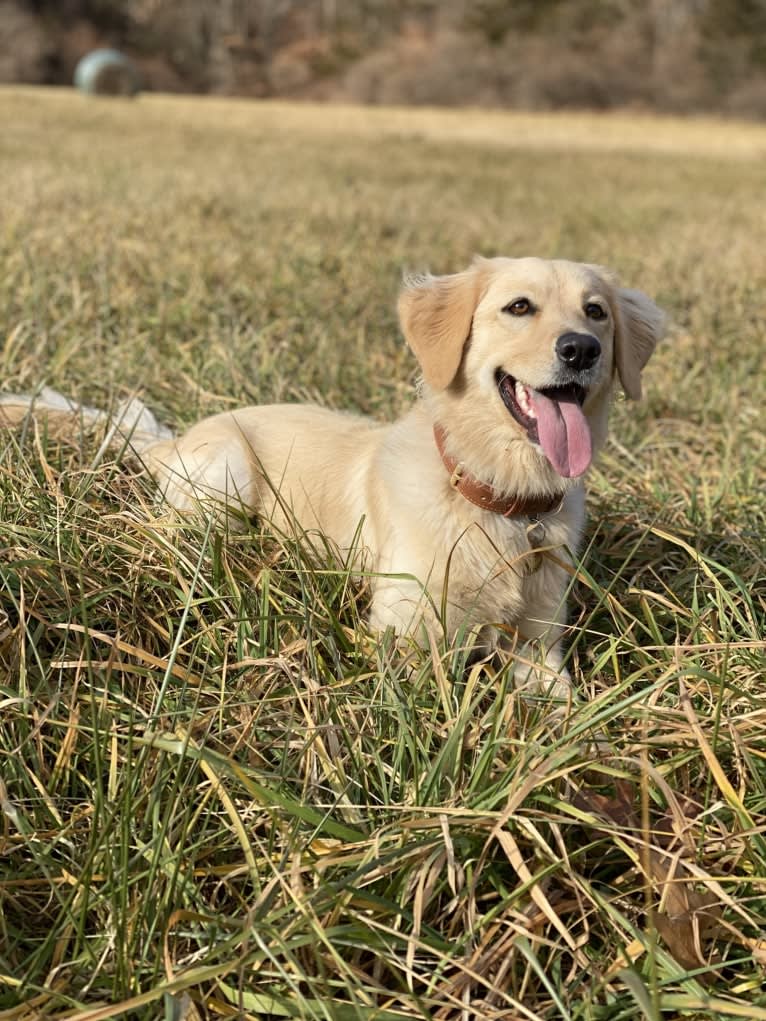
x=553, y=419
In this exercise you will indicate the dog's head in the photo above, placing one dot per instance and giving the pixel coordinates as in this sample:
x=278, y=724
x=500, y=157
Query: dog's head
x=541, y=341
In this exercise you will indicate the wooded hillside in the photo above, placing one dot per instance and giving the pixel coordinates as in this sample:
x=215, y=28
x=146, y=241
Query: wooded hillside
x=671, y=55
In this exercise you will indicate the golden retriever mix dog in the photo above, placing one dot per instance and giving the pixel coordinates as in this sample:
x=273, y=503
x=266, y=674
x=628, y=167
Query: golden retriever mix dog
x=450, y=505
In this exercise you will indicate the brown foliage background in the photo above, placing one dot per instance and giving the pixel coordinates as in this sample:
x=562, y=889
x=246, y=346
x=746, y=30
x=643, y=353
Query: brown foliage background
x=668, y=55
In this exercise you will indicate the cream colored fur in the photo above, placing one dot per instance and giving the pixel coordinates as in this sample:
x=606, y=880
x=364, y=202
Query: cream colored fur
x=383, y=489
x=385, y=486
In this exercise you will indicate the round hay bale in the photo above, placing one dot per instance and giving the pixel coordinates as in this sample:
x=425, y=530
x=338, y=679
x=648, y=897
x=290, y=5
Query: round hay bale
x=107, y=73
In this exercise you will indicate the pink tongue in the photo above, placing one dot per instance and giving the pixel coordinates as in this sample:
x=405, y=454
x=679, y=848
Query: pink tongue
x=563, y=432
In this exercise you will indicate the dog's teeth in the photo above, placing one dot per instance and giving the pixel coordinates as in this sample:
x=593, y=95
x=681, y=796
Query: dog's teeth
x=522, y=398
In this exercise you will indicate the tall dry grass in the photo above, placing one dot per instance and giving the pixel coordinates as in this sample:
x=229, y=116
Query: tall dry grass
x=219, y=793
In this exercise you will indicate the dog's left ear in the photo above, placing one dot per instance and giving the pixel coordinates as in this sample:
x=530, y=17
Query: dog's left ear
x=436, y=315
x=639, y=325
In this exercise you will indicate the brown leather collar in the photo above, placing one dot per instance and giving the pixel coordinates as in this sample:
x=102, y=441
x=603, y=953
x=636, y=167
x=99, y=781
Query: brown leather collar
x=484, y=496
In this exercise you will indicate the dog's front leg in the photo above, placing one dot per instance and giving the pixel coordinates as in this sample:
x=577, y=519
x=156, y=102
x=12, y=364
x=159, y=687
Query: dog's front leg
x=539, y=658
x=539, y=668
x=403, y=605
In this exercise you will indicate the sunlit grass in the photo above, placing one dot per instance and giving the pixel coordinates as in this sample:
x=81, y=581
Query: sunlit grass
x=217, y=788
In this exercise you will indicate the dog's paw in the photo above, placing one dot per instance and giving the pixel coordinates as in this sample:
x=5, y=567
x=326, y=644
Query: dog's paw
x=540, y=671
x=402, y=606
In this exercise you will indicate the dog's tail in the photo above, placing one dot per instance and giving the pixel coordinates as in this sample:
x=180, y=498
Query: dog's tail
x=130, y=425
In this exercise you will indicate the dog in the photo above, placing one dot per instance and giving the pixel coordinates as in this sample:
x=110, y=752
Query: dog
x=467, y=512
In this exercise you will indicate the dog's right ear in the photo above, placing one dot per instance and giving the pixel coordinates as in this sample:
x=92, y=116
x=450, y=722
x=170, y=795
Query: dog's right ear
x=436, y=315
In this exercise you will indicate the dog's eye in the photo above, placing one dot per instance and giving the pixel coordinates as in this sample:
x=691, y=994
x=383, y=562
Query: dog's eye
x=595, y=311
x=520, y=307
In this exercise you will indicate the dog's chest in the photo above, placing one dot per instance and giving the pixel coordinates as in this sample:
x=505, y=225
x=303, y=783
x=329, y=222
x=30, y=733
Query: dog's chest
x=497, y=566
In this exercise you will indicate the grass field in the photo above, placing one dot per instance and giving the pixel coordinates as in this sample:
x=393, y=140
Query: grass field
x=220, y=795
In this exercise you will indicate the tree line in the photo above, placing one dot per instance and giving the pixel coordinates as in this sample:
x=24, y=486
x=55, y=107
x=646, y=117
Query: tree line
x=671, y=55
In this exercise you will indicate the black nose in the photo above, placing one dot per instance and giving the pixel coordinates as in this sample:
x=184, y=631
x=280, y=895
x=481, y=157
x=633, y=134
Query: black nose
x=578, y=350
